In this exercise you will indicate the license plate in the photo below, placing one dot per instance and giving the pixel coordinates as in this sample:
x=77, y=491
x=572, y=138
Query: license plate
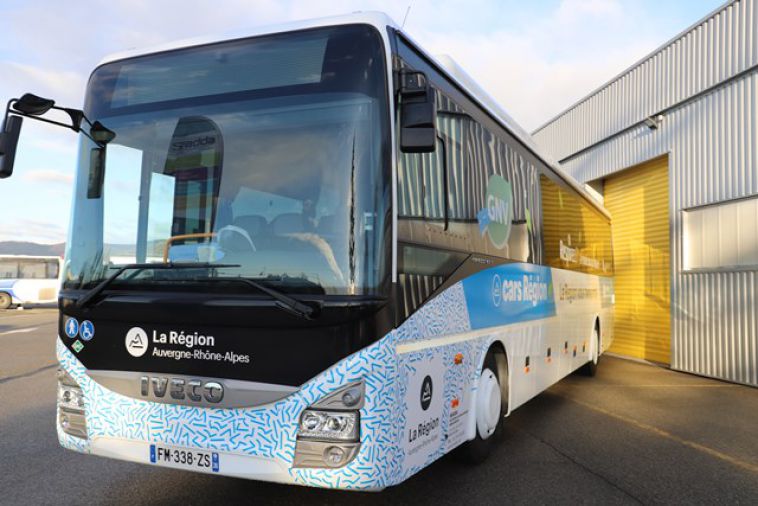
x=197, y=460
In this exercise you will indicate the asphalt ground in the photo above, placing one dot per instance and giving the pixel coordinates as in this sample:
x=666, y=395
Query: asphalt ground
x=633, y=434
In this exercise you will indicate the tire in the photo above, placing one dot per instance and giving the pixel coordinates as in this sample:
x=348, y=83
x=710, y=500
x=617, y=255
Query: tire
x=489, y=423
x=590, y=368
x=5, y=300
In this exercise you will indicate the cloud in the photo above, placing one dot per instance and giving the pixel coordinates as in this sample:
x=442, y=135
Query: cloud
x=576, y=10
x=535, y=58
x=64, y=143
x=65, y=86
x=23, y=229
x=48, y=176
x=537, y=69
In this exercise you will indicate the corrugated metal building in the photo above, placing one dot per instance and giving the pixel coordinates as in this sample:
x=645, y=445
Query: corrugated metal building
x=678, y=132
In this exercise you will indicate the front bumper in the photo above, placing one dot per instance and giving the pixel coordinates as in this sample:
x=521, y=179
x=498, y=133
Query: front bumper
x=256, y=443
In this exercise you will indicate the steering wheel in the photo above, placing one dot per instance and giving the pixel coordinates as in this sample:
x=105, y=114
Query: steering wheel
x=234, y=238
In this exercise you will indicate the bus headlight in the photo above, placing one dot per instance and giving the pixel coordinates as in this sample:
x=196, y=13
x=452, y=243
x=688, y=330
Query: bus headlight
x=71, y=406
x=329, y=430
x=329, y=425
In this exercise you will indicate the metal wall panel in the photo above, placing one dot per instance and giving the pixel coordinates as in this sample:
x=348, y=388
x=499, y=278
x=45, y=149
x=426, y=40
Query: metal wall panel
x=712, y=143
x=712, y=51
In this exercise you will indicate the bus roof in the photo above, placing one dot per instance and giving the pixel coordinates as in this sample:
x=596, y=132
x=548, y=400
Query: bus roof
x=376, y=19
x=381, y=21
x=29, y=257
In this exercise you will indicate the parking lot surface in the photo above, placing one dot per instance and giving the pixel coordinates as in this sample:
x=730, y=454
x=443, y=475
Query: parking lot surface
x=635, y=434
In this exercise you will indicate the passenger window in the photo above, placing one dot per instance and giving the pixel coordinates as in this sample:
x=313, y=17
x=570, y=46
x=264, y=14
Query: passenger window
x=421, y=177
x=576, y=236
x=421, y=185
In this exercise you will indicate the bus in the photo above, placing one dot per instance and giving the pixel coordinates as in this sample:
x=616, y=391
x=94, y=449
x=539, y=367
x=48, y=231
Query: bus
x=313, y=254
x=27, y=279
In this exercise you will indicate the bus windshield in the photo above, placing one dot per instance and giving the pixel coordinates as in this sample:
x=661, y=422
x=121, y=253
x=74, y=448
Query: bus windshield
x=267, y=155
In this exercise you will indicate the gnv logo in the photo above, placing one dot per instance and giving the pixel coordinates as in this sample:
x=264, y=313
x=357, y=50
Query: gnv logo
x=136, y=342
x=496, y=217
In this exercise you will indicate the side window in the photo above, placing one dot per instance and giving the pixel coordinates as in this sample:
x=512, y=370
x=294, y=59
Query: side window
x=425, y=260
x=420, y=186
x=452, y=125
x=467, y=157
x=504, y=196
x=8, y=269
x=52, y=269
x=576, y=236
x=421, y=176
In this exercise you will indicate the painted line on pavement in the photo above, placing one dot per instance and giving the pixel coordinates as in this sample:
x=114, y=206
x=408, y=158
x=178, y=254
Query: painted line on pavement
x=19, y=331
x=703, y=385
x=748, y=466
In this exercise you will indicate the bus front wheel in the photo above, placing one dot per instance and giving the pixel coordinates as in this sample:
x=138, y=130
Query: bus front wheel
x=491, y=404
x=5, y=300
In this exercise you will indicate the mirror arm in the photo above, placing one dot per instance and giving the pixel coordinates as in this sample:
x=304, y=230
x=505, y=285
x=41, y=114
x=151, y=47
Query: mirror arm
x=76, y=117
x=52, y=122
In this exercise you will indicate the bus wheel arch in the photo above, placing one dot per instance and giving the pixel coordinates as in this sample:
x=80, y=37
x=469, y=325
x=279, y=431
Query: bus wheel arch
x=501, y=360
x=5, y=300
x=488, y=424
x=597, y=340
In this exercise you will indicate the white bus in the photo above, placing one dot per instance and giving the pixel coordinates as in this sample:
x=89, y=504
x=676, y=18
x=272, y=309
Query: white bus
x=348, y=261
x=27, y=279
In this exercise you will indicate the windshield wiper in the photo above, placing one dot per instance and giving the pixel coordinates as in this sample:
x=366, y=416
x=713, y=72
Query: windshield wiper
x=88, y=297
x=283, y=301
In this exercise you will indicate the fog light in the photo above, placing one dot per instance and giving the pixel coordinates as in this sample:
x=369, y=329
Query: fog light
x=351, y=397
x=334, y=456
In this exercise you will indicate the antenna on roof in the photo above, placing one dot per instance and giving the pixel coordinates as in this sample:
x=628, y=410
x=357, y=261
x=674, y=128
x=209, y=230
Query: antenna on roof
x=405, y=18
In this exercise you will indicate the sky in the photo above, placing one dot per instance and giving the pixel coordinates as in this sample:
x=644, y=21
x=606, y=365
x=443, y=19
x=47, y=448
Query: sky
x=536, y=58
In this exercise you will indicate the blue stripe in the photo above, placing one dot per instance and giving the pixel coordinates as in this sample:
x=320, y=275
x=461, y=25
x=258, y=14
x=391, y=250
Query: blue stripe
x=509, y=293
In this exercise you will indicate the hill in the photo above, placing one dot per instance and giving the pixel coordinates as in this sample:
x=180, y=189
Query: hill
x=31, y=248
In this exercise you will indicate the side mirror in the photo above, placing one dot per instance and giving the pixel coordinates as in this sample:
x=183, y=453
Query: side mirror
x=8, y=143
x=418, y=113
x=32, y=106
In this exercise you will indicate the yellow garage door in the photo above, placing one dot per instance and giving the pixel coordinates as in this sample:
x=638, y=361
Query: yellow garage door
x=638, y=201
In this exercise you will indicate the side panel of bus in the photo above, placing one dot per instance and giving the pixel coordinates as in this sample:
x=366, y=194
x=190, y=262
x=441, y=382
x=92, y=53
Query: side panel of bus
x=544, y=321
x=530, y=257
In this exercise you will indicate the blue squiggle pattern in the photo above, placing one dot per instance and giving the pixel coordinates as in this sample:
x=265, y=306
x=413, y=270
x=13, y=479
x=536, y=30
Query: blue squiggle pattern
x=270, y=431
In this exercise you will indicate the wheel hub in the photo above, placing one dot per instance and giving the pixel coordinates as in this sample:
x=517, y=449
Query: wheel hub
x=488, y=404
